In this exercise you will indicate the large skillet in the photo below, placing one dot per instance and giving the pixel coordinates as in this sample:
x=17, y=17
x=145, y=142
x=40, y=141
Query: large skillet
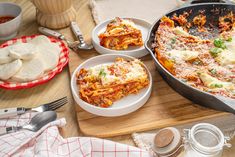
x=203, y=98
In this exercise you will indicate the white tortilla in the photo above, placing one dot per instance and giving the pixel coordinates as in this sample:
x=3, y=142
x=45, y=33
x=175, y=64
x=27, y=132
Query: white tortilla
x=40, y=40
x=9, y=69
x=31, y=70
x=4, y=55
x=54, y=47
x=25, y=51
x=45, y=58
x=49, y=54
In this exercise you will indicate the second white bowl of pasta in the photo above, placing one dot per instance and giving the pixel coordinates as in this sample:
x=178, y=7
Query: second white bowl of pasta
x=121, y=36
x=100, y=87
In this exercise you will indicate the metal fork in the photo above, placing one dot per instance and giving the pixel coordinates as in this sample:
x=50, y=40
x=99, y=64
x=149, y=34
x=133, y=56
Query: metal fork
x=10, y=112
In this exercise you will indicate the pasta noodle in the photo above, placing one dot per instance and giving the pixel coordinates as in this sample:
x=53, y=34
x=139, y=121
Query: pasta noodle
x=120, y=34
x=103, y=84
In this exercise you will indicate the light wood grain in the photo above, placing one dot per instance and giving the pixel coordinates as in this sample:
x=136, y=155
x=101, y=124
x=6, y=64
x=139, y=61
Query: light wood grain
x=164, y=108
x=56, y=88
x=59, y=86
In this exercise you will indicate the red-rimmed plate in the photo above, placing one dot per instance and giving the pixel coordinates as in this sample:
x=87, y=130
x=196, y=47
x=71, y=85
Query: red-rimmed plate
x=63, y=61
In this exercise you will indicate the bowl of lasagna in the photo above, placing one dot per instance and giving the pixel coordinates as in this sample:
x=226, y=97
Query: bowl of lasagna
x=111, y=85
x=121, y=36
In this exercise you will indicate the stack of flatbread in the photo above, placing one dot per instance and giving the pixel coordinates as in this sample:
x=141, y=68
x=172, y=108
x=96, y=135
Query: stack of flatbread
x=22, y=62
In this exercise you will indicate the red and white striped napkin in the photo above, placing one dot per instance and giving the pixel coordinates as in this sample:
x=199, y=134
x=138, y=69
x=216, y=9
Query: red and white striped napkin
x=48, y=142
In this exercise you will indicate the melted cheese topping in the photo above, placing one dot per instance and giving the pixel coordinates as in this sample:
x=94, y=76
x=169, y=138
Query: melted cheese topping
x=180, y=31
x=121, y=28
x=212, y=82
x=128, y=23
x=102, y=72
x=123, y=72
x=186, y=55
x=226, y=57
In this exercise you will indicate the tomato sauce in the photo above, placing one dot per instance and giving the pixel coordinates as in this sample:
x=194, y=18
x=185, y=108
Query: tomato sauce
x=4, y=19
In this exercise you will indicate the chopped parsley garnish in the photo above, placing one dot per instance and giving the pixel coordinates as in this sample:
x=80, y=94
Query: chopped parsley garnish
x=219, y=43
x=229, y=39
x=215, y=51
x=213, y=71
x=102, y=73
x=197, y=62
x=216, y=85
x=173, y=40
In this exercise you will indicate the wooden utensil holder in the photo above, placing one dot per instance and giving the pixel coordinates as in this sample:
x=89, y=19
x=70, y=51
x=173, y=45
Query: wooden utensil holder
x=54, y=14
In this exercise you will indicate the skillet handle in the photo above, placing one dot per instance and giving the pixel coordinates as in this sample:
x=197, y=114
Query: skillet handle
x=229, y=103
x=191, y=2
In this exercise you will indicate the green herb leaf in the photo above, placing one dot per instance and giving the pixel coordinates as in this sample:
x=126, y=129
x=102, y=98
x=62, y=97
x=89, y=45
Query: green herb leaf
x=216, y=85
x=219, y=43
x=213, y=71
x=173, y=40
x=229, y=39
x=102, y=73
x=223, y=46
x=197, y=62
x=215, y=51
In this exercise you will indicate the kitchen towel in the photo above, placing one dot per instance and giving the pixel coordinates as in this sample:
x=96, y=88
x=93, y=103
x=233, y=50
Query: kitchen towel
x=225, y=123
x=48, y=142
x=149, y=10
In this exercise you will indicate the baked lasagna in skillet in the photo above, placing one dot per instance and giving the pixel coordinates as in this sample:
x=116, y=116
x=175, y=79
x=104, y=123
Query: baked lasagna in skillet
x=206, y=64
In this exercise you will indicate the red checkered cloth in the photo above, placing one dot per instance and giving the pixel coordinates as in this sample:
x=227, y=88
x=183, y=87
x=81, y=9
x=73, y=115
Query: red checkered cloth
x=48, y=142
x=63, y=60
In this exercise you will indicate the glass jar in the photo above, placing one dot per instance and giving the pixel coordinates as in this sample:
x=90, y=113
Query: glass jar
x=204, y=140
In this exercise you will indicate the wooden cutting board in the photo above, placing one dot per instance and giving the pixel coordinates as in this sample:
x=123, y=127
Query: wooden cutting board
x=164, y=108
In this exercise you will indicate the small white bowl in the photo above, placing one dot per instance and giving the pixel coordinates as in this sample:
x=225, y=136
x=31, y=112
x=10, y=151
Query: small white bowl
x=121, y=107
x=134, y=51
x=10, y=28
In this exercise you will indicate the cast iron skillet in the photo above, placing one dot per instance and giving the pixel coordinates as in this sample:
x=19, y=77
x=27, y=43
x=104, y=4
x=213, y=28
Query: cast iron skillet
x=203, y=98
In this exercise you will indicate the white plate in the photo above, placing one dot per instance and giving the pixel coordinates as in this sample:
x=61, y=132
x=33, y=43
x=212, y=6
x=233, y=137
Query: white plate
x=134, y=51
x=121, y=107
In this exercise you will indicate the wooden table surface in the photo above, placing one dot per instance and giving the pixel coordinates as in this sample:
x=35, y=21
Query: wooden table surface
x=60, y=85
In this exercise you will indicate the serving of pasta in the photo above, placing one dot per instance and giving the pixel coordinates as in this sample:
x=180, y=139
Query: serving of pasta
x=206, y=64
x=120, y=34
x=103, y=84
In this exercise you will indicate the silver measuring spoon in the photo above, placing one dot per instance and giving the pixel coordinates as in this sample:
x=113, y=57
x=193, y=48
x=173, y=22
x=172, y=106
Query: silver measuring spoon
x=82, y=45
x=36, y=123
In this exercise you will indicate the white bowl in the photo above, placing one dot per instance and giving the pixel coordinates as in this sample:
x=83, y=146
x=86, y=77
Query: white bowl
x=134, y=51
x=10, y=28
x=121, y=107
